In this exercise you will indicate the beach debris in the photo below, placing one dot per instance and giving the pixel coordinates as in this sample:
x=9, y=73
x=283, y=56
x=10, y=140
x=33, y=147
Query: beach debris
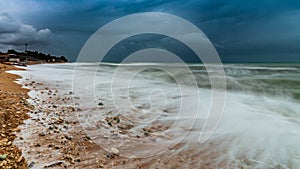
x=114, y=150
x=113, y=120
x=100, y=104
x=16, y=129
x=68, y=137
x=19, y=159
x=42, y=134
x=3, y=157
x=116, y=119
x=146, y=131
x=3, y=141
x=8, y=143
x=30, y=165
x=109, y=156
x=87, y=138
x=125, y=125
x=157, y=134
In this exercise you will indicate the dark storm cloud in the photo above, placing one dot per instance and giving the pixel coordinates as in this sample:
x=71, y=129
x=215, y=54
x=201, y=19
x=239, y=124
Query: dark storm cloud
x=146, y=41
x=250, y=30
x=257, y=30
x=13, y=33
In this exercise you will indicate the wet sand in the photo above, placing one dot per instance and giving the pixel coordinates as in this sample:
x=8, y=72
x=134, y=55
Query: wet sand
x=53, y=137
x=13, y=109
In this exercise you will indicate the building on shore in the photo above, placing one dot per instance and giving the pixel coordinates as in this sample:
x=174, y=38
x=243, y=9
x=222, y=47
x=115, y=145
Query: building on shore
x=4, y=57
x=14, y=58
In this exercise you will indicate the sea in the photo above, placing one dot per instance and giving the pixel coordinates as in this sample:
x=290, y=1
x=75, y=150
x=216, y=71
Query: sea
x=257, y=124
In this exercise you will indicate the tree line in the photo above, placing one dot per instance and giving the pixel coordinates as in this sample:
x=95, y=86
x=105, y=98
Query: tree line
x=37, y=55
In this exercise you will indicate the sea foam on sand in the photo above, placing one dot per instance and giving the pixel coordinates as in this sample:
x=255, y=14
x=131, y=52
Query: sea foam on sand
x=256, y=131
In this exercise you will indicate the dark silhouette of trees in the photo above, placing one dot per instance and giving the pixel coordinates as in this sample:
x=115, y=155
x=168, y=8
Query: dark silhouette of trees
x=11, y=51
x=35, y=55
x=63, y=58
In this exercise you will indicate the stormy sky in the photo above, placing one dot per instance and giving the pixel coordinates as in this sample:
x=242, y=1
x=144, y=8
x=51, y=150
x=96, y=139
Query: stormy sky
x=241, y=31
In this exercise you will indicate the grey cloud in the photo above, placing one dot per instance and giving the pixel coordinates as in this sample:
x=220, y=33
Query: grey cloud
x=8, y=24
x=236, y=28
x=13, y=33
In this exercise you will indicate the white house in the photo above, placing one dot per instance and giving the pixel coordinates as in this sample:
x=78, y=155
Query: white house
x=14, y=58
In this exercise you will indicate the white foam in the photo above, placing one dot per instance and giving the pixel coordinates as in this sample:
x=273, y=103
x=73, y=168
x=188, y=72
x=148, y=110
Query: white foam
x=263, y=130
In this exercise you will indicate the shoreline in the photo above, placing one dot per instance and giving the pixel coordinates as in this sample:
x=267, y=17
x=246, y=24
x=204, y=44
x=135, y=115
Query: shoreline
x=54, y=136
x=13, y=111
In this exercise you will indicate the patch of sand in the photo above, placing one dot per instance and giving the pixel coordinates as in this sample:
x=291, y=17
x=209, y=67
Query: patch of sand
x=13, y=110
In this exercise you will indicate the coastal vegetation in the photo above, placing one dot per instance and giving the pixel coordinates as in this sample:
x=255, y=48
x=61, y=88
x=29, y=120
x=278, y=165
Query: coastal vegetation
x=29, y=57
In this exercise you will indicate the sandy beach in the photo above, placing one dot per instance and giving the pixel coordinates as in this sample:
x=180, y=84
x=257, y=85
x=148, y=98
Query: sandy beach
x=65, y=131
x=54, y=138
x=13, y=109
